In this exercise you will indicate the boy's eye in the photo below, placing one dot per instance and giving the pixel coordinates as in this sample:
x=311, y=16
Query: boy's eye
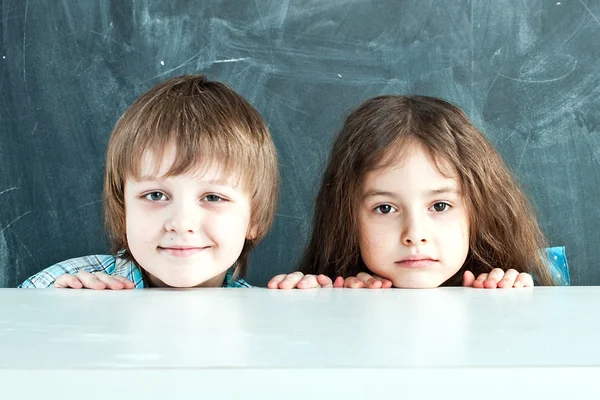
x=155, y=196
x=213, y=198
x=384, y=209
x=440, y=206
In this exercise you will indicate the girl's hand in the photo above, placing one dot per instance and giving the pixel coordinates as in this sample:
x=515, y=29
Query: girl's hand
x=497, y=278
x=364, y=280
x=300, y=281
x=97, y=281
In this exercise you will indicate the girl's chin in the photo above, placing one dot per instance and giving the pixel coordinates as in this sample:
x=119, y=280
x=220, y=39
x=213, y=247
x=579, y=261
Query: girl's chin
x=404, y=283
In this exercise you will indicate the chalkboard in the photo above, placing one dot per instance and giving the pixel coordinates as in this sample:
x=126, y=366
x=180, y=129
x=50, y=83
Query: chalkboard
x=526, y=72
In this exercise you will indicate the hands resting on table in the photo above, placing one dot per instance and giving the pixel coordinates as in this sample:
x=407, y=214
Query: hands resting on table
x=496, y=278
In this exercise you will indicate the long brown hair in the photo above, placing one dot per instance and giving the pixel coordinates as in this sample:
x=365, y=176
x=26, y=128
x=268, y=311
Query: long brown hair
x=504, y=232
x=208, y=124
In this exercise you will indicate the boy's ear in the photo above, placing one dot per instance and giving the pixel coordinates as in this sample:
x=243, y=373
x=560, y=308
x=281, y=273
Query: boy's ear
x=252, y=232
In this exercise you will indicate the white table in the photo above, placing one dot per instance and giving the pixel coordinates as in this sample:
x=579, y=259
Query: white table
x=327, y=343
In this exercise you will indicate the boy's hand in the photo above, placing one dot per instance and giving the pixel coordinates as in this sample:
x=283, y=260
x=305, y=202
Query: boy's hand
x=300, y=281
x=497, y=278
x=364, y=280
x=97, y=281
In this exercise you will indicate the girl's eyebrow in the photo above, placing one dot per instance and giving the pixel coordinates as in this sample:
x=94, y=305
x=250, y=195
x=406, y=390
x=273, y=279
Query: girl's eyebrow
x=375, y=193
x=431, y=193
x=444, y=190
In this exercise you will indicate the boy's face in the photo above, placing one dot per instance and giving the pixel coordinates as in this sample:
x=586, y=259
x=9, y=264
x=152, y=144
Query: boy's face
x=185, y=230
x=413, y=223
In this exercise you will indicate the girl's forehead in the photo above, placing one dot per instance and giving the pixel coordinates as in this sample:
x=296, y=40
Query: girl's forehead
x=414, y=155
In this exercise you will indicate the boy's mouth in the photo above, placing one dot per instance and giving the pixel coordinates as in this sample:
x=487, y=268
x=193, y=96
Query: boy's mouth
x=182, y=251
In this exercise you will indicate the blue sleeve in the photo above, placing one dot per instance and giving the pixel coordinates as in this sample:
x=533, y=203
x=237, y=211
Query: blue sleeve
x=46, y=277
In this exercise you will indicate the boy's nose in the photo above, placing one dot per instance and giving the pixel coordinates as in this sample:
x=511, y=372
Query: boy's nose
x=183, y=220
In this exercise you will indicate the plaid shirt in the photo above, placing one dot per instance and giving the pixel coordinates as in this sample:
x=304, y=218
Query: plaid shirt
x=110, y=265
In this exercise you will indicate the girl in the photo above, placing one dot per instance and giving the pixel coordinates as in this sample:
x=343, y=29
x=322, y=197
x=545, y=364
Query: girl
x=190, y=187
x=415, y=194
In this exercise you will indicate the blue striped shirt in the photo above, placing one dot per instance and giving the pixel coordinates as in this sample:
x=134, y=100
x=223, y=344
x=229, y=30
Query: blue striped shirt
x=111, y=265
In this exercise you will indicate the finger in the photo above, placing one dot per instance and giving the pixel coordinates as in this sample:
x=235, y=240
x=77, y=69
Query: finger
x=468, y=279
x=385, y=283
x=110, y=281
x=373, y=284
x=324, y=281
x=127, y=284
x=275, y=281
x=290, y=281
x=493, y=278
x=378, y=282
x=509, y=279
x=308, y=282
x=89, y=281
x=68, y=281
x=364, y=277
x=339, y=282
x=524, y=280
x=496, y=275
x=370, y=281
x=353, y=283
x=478, y=283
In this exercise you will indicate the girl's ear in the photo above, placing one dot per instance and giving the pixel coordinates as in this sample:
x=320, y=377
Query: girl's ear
x=252, y=232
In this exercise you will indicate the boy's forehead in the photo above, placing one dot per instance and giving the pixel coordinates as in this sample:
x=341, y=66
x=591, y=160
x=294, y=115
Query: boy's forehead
x=155, y=165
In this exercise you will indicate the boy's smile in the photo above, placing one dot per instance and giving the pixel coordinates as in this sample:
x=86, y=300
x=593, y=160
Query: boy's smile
x=185, y=230
x=183, y=251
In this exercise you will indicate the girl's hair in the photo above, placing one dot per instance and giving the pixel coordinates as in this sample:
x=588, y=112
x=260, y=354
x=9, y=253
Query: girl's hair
x=503, y=229
x=208, y=124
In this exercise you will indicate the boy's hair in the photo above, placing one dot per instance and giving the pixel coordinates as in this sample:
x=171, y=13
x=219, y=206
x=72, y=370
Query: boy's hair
x=504, y=232
x=208, y=124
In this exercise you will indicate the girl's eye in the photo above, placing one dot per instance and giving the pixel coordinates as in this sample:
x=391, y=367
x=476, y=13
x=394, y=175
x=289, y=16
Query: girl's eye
x=384, y=209
x=213, y=198
x=440, y=207
x=155, y=196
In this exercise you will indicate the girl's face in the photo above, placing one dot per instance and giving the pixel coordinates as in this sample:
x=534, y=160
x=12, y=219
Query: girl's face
x=185, y=230
x=413, y=223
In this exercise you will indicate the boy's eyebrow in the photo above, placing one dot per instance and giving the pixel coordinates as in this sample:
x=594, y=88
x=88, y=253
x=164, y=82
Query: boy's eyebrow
x=220, y=182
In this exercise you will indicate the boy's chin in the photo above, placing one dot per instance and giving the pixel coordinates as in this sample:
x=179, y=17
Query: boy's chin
x=177, y=281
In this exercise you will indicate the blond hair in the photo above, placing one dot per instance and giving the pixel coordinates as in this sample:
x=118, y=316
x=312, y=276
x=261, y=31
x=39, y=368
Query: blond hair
x=207, y=123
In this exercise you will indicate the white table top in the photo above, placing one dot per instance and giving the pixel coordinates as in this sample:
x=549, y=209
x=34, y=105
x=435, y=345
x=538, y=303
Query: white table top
x=239, y=342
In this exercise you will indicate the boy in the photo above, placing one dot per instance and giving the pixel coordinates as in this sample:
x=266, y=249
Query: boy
x=190, y=187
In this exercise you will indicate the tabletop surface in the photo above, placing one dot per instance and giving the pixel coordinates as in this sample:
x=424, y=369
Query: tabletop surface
x=256, y=328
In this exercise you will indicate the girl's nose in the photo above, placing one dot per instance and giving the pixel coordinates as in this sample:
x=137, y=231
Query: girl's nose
x=415, y=231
